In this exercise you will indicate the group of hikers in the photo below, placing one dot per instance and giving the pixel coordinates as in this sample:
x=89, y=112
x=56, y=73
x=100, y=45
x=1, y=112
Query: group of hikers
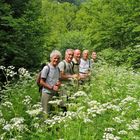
x=76, y=65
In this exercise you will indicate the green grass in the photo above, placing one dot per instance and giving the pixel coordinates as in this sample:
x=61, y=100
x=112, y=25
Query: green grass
x=110, y=109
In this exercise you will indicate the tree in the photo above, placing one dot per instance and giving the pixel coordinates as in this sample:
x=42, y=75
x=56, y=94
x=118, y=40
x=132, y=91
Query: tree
x=22, y=33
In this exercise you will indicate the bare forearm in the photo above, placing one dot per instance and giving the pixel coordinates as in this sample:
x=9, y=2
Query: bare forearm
x=45, y=85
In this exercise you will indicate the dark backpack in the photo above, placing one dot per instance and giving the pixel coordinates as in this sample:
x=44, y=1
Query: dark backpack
x=39, y=78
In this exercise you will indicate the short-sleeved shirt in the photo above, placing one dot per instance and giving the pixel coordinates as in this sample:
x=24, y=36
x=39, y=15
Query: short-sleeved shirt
x=84, y=66
x=66, y=67
x=51, y=78
x=75, y=66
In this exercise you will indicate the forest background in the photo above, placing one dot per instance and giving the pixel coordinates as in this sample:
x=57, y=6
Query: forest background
x=105, y=108
x=31, y=29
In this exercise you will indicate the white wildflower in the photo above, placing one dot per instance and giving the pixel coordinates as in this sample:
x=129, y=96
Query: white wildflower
x=110, y=129
x=80, y=94
x=71, y=98
x=8, y=127
x=87, y=120
x=118, y=120
x=2, y=121
x=49, y=122
x=27, y=100
x=2, y=67
x=17, y=120
x=71, y=104
x=122, y=132
x=93, y=115
x=11, y=67
x=134, y=125
x=109, y=136
x=38, y=105
x=55, y=102
x=34, y=112
x=58, y=119
x=80, y=108
x=93, y=103
x=2, y=136
x=127, y=99
x=7, y=104
x=36, y=125
x=23, y=72
x=71, y=114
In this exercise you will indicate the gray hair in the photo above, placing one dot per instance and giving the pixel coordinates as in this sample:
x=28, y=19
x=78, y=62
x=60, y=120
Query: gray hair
x=85, y=51
x=55, y=52
x=68, y=50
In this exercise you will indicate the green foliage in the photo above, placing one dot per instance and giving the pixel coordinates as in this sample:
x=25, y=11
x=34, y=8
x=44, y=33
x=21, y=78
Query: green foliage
x=74, y=40
x=58, y=23
x=107, y=107
x=17, y=7
x=128, y=57
x=21, y=34
x=31, y=29
x=95, y=25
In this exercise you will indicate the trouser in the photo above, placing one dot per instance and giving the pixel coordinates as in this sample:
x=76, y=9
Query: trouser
x=69, y=87
x=44, y=100
x=84, y=78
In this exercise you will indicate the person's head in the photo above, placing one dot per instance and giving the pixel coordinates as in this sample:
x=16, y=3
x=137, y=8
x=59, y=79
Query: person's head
x=94, y=55
x=55, y=57
x=77, y=54
x=69, y=55
x=85, y=54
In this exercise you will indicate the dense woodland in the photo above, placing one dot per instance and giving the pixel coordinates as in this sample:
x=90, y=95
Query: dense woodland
x=30, y=29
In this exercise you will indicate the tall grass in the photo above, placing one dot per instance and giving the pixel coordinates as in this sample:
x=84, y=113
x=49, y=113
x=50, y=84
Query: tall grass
x=106, y=108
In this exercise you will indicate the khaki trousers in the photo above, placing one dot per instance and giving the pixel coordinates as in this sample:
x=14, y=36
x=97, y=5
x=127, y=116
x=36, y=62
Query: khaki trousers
x=44, y=100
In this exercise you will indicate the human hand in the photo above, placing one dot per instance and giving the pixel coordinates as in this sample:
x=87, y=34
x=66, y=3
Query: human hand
x=55, y=88
x=58, y=83
x=75, y=76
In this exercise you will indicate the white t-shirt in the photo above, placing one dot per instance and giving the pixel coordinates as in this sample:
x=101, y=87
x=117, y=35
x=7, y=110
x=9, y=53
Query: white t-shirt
x=84, y=66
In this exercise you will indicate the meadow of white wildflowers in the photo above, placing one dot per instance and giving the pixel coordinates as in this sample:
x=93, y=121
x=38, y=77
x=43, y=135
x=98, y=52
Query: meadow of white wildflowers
x=106, y=108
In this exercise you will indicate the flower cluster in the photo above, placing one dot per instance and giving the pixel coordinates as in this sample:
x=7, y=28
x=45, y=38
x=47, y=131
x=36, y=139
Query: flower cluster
x=15, y=124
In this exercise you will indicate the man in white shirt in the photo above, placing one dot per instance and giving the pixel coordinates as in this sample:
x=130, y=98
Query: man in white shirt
x=85, y=65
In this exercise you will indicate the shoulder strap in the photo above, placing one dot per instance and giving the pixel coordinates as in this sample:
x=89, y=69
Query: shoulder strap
x=72, y=64
x=58, y=69
x=64, y=64
x=89, y=63
x=48, y=70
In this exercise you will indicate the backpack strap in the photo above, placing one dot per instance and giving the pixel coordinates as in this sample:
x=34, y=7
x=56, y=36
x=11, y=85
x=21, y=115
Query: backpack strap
x=58, y=69
x=48, y=70
x=89, y=64
x=64, y=64
x=72, y=66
